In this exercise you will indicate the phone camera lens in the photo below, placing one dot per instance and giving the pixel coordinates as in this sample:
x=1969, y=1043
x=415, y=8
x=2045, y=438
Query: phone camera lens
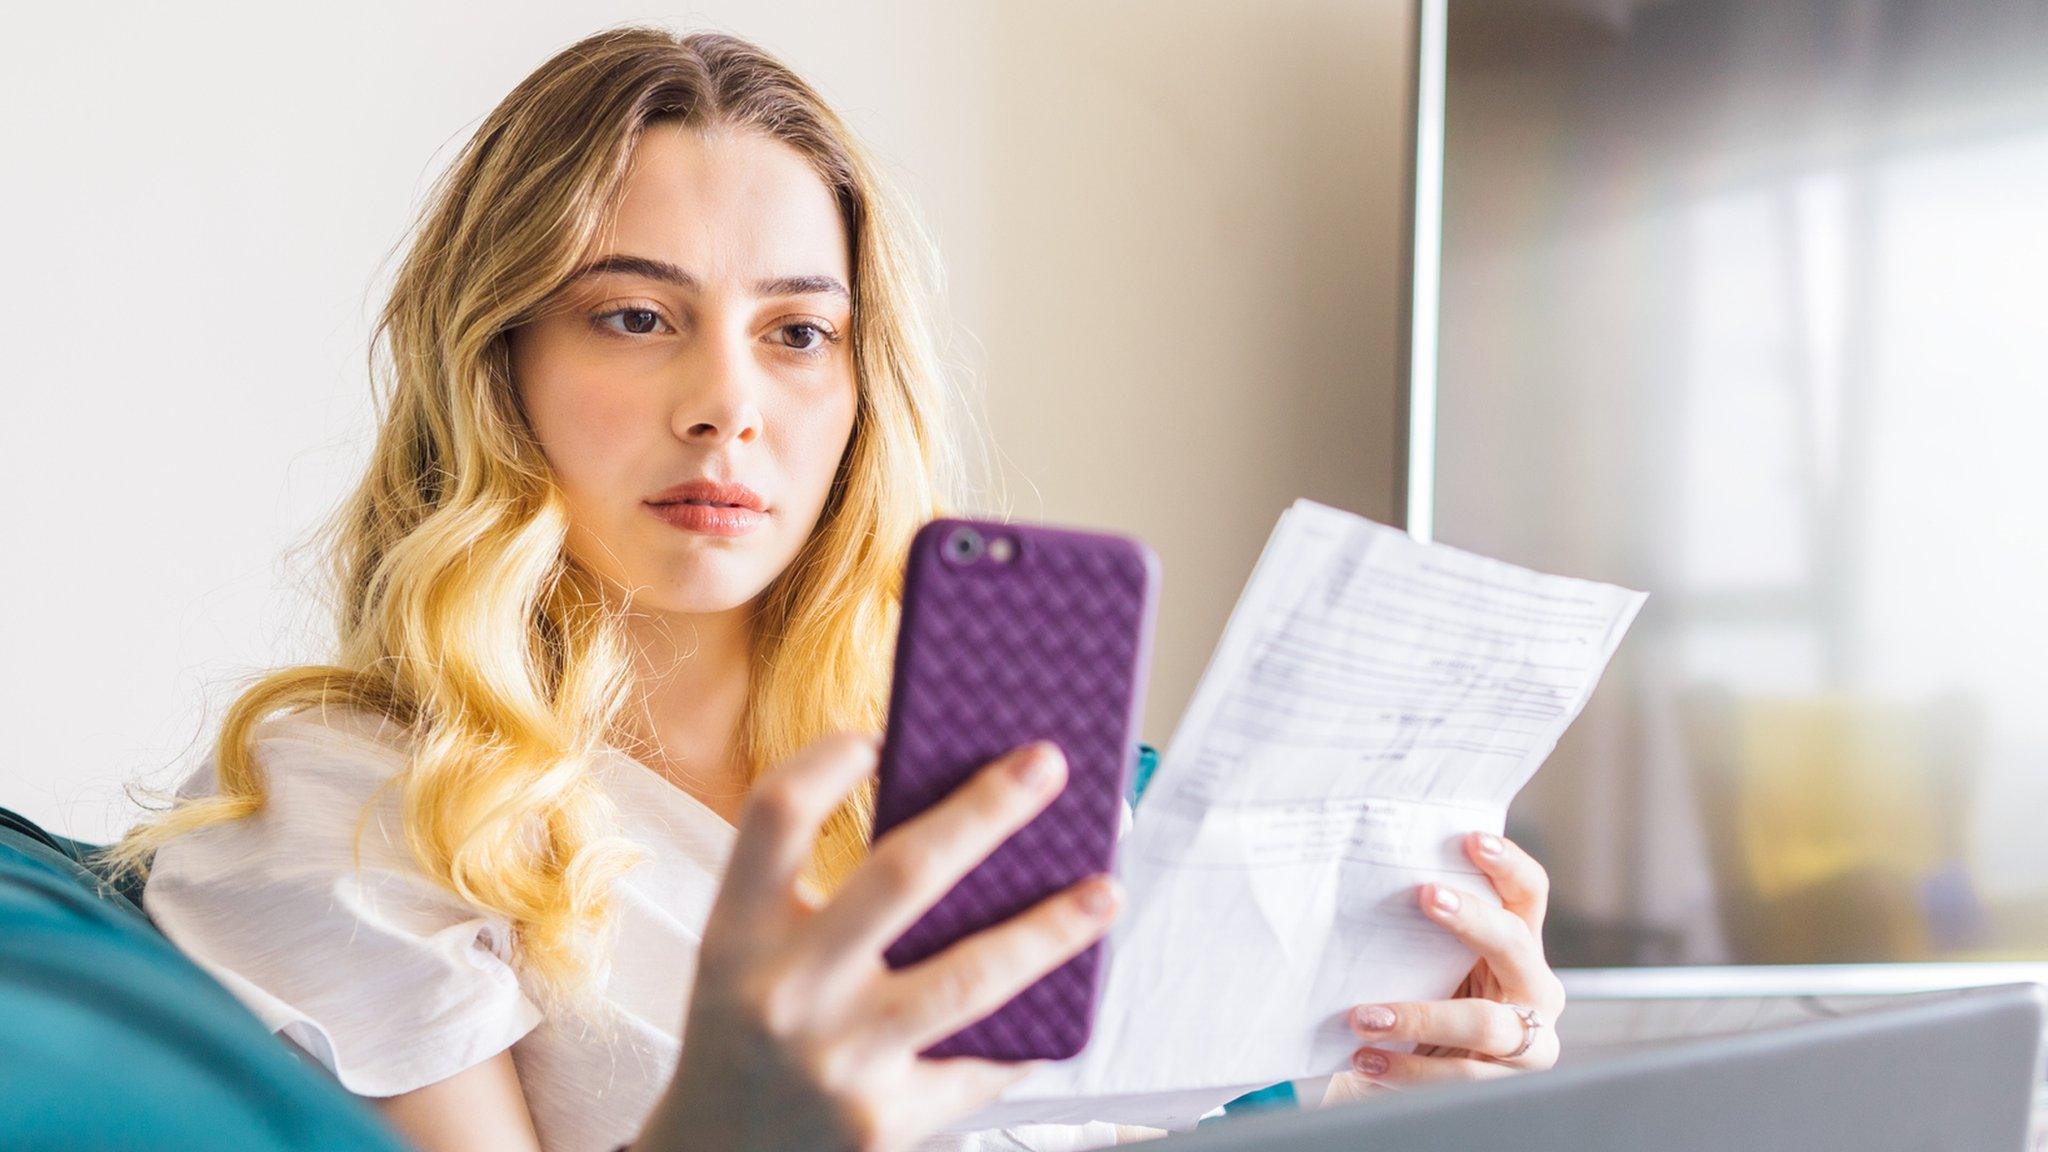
x=963, y=546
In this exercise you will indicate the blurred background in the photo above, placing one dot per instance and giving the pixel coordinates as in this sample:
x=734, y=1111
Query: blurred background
x=1742, y=303
x=1735, y=301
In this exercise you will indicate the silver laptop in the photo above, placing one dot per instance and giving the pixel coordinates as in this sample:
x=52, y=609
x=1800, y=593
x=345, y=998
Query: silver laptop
x=1954, y=1072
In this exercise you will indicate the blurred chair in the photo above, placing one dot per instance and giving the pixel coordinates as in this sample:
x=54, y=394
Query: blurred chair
x=1836, y=825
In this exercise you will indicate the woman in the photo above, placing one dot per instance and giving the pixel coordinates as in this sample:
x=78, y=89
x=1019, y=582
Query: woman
x=615, y=603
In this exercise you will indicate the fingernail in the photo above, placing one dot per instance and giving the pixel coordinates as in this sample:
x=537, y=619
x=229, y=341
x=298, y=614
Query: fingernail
x=1489, y=844
x=1100, y=897
x=1369, y=1062
x=1374, y=1017
x=1039, y=768
x=1444, y=901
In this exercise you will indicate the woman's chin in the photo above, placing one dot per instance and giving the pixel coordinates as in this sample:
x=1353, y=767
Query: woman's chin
x=706, y=585
x=692, y=581
x=688, y=605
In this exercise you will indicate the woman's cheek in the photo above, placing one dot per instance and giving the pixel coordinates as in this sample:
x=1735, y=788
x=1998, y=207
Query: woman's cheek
x=815, y=433
x=576, y=402
x=605, y=409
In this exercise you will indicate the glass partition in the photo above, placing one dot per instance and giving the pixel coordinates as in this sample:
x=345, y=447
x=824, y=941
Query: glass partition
x=1745, y=303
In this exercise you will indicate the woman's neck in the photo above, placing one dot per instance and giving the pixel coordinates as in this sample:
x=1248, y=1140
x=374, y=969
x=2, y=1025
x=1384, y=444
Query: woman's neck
x=693, y=673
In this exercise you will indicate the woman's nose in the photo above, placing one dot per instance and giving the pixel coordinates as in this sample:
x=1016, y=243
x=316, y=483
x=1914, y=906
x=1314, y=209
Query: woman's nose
x=720, y=401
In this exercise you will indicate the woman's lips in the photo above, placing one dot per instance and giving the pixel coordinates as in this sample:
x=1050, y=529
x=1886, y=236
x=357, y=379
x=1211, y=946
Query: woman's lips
x=710, y=519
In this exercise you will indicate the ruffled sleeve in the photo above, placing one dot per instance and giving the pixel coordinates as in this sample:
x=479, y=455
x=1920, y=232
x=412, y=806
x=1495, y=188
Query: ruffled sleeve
x=389, y=980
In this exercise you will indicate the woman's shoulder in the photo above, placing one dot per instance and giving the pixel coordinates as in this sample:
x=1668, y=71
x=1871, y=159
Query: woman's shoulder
x=347, y=731
x=330, y=746
x=312, y=910
x=320, y=770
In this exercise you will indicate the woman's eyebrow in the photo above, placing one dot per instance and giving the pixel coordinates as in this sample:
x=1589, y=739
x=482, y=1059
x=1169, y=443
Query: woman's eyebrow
x=801, y=286
x=652, y=269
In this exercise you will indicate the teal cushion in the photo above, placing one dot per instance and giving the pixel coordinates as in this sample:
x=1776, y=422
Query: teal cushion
x=86, y=860
x=112, y=1039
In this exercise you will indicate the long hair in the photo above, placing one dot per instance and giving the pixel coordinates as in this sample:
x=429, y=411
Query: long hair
x=459, y=613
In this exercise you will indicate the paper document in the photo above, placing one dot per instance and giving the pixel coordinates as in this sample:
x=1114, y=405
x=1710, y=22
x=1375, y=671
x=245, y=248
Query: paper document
x=1373, y=699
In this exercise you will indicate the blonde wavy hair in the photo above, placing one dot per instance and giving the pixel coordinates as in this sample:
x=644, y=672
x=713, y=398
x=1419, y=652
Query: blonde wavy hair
x=460, y=615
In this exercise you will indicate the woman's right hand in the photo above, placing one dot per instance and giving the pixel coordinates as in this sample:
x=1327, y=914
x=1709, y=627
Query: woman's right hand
x=799, y=1035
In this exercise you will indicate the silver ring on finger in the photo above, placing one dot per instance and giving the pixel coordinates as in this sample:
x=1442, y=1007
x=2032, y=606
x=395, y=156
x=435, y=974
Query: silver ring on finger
x=1532, y=1022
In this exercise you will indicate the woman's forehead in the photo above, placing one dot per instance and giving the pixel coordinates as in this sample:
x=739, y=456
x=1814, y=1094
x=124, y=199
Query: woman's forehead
x=729, y=205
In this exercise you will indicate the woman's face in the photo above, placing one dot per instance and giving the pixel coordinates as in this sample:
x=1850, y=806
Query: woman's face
x=709, y=341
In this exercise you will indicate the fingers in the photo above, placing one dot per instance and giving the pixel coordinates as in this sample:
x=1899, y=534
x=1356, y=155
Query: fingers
x=1484, y=1027
x=1502, y=939
x=780, y=820
x=916, y=862
x=974, y=976
x=1523, y=885
x=1408, y=1070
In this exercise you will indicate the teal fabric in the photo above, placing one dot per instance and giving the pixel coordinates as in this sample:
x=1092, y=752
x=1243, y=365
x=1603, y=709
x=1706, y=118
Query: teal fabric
x=1141, y=773
x=1272, y=1096
x=111, y=1040
x=1265, y=1099
x=84, y=860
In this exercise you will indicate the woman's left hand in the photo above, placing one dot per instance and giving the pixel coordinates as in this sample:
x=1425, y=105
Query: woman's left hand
x=1475, y=1034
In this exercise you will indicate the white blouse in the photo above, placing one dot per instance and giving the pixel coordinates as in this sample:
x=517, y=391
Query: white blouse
x=392, y=982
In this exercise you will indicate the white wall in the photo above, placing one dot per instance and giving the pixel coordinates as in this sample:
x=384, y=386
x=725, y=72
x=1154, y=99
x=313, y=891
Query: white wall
x=1172, y=231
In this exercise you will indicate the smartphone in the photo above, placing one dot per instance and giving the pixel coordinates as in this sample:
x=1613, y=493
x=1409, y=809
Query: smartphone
x=1013, y=633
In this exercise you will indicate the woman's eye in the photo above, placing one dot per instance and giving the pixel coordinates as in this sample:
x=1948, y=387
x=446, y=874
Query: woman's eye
x=636, y=321
x=804, y=336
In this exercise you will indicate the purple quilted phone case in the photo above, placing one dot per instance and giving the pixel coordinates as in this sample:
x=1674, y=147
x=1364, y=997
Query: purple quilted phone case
x=1050, y=643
